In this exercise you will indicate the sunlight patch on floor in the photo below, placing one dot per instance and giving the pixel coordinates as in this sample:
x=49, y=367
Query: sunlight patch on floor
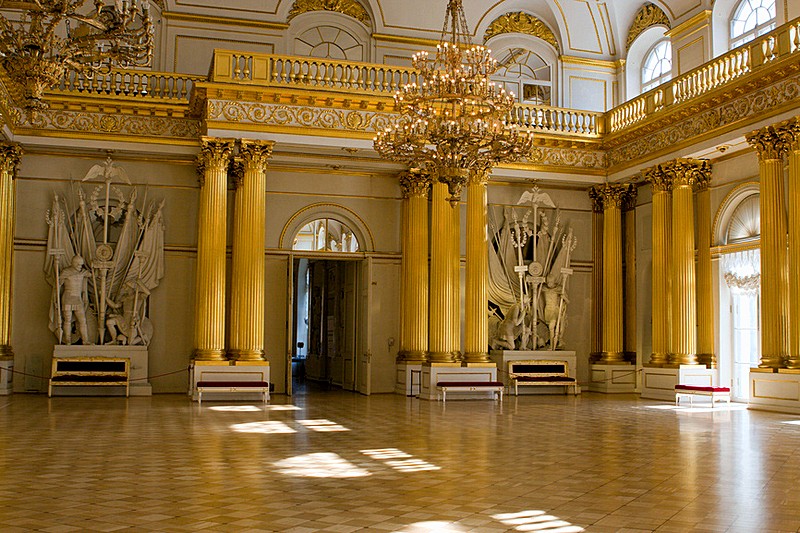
x=320, y=465
x=268, y=427
x=400, y=460
x=537, y=521
x=438, y=527
x=322, y=425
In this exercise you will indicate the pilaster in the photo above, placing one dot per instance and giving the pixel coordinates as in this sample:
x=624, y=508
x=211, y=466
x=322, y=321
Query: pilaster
x=209, y=330
x=771, y=148
x=415, y=186
x=247, y=263
x=9, y=160
x=476, y=319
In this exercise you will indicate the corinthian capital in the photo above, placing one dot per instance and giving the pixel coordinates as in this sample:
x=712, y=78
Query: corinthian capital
x=769, y=143
x=10, y=154
x=614, y=194
x=789, y=130
x=682, y=172
x=658, y=179
x=597, y=199
x=214, y=154
x=256, y=154
x=415, y=182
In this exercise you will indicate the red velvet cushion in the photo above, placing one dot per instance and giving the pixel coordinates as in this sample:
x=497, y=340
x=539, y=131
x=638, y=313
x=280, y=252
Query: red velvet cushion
x=470, y=384
x=233, y=384
x=563, y=379
x=702, y=389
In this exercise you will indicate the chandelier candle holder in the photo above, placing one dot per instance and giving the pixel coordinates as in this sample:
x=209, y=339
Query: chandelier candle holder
x=45, y=38
x=455, y=121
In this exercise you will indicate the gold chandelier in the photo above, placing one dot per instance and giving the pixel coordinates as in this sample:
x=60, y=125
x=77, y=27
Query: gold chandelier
x=44, y=38
x=454, y=122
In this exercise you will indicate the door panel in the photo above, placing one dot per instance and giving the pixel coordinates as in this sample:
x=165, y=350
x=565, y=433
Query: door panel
x=364, y=364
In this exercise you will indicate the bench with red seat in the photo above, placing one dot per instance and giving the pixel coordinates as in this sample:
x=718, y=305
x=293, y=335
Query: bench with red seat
x=470, y=386
x=722, y=393
x=261, y=387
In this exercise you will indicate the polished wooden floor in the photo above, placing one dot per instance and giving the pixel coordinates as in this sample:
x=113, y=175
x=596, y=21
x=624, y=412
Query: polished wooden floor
x=336, y=461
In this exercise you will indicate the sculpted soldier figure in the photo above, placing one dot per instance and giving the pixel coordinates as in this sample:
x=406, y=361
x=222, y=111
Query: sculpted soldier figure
x=74, y=298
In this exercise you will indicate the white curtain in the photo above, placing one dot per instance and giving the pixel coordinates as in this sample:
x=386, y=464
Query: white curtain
x=742, y=270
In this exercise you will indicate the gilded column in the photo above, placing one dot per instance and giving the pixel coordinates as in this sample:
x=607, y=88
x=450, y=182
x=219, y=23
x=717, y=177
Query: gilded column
x=209, y=327
x=791, y=132
x=9, y=159
x=629, y=243
x=705, y=291
x=774, y=256
x=444, y=286
x=597, y=274
x=247, y=262
x=476, y=320
x=661, y=299
x=684, y=174
x=414, y=291
x=613, y=197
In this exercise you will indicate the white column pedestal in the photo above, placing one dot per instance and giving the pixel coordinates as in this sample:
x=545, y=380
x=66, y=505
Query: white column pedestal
x=775, y=391
x=227, y=371
x=613, y=379
x=659, y=383
x=408, y=379
x=6, y=377
x=139, y=384
x=432, y=374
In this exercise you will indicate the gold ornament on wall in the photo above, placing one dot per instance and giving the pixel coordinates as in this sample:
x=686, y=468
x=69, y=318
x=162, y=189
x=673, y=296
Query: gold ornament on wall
x=351, y=8
x=649, y=15
x=520, y=22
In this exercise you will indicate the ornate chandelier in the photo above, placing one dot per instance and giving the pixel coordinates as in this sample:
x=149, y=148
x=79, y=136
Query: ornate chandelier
x=50, y=36
x=454, y=122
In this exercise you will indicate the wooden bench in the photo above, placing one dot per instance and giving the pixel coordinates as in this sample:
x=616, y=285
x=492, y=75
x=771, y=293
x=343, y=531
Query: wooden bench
x=90, y=372
x=261, y=387
x=722, y=393
x=470, y=386
x=541, y=373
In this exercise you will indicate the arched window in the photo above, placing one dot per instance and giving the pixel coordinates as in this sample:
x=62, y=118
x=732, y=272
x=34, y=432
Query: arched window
x=657, y=65
x=750, y=19
x=325, y=235
x=527, y=75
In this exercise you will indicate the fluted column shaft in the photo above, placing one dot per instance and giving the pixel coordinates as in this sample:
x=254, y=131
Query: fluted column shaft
x=705, y=291
x=247, y=263
x=774, y=255
x=597, y=274
x=444, y=283
x=9, y=159
x=684, y=282
x=414, y=290
x=791, y=133
x=662, y=215
x=209, y=327
x=629, y=243
x=476, y=320
x=613, y=196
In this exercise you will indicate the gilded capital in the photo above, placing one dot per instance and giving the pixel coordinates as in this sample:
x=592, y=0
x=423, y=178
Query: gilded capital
x=658, y=179
x=10, y=154
x=687, y=172
x=629, y=200
x=769, y=143
x=415, y=182
x=789, y=130
x=214, y=153
x=614, y=194
x=597, y=199
x=236, y=172
x=256, y=154
x=480, y=177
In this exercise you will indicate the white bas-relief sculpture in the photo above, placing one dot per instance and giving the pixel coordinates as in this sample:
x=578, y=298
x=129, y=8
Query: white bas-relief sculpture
x=105, y=256
x=529, y=271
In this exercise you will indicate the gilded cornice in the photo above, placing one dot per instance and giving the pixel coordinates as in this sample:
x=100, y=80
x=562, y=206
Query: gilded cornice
x=226, y=21
x=415, y=182
x=351, y=8
x=10, y=154
x=520, y=22
x=649, y=15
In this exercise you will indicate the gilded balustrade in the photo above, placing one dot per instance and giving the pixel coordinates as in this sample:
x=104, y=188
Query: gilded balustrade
x=136, y=83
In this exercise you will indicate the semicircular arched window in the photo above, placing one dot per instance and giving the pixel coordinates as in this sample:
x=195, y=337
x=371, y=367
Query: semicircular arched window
x=750, y=19
x=326, y=235
x=657, y=65
x=745, y=222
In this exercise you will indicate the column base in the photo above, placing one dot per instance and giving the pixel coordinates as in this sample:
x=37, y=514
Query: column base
x=209, y=355
x=775, y=391
x=476, y=357
x=408, y=378
x=613, y=379
x=793, y=363
x=678, y=359
x=612, y=358
x=658, y=359
x=771, y=361
x=444, y=357
x=709, y=359
x=411, y=356
x=246, y=355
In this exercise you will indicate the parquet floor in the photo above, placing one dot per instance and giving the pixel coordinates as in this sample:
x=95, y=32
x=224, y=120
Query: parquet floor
x=336, y=461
